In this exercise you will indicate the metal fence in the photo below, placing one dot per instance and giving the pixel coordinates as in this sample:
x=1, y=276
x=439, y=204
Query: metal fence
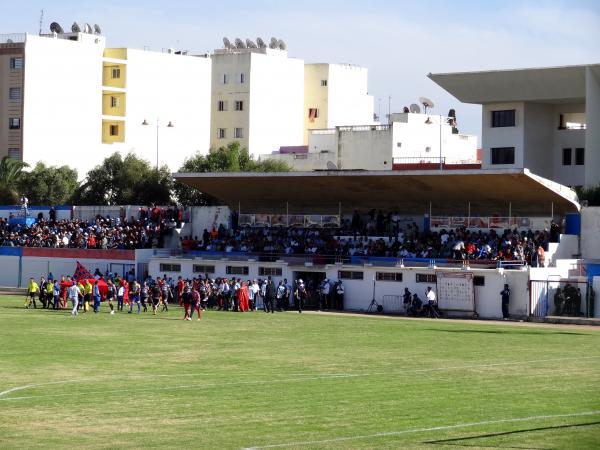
x=575, y=298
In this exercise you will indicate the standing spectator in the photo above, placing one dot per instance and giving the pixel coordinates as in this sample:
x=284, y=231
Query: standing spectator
x=269, y=296
x=505, y=294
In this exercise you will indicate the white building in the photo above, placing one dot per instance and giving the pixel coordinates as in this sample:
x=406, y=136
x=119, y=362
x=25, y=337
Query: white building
x=410, y=140
x=336, y=95
x=66, y=99
x=257, y=98
x=543, y=119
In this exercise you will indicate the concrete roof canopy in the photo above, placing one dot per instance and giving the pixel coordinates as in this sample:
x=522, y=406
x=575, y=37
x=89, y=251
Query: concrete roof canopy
x=564, y=84
x=450, y=192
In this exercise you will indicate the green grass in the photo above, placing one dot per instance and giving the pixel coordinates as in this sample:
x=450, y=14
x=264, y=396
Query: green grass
x=250, y=380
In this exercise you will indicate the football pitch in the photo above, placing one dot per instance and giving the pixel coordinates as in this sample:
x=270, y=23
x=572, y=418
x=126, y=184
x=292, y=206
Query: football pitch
x=289, y=380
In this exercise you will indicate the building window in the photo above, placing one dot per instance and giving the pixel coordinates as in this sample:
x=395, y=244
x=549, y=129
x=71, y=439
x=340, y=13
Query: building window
x=236, y=270
x=222, y=105
x=324, y=83
x=115, y=73
x=14, y=153
x=114, y=101
x=478, y=280
x=313, y=113
x=221, y=133
x=14, y=123
x=14, y=93
x=566, y=156
x=239, y=105
x=270, y=271
x=425, y=278
x=503, y=155
x=579, y=156
x=505, y=118
x=388, y=276
x=224, y=78
x=114, y=130
x=238, y=133
x=16, y=63
x=202, y=268
x=170, y=267
x=242, y=78
x=350, y=275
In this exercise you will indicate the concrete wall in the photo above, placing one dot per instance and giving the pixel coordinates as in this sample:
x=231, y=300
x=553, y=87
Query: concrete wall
x=168, y=88
x=504, y=136
x=315, y=96
x=592, y=135
x=539, y=121
x=366, y=148
x=590, y=233
x=9, y=275
x=358, y=293
x=63, y=102
x=276, y=102
x=348, y=99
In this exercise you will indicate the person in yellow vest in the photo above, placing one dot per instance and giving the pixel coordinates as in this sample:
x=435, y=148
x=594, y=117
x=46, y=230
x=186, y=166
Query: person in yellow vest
x=32, y=289
x=87, y=297
x=49, y=292
x=81, y=294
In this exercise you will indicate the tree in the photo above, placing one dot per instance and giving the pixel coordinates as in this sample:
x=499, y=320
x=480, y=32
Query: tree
x=10, y=173
x=590, y=194
x=48, y=185
x=125, y=181
x=224, y=159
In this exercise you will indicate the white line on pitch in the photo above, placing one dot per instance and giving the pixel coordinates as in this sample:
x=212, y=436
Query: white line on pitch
x=421, y=430
x=260, y=382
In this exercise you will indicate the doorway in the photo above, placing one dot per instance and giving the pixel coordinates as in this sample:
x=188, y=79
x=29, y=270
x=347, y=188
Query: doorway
x=312, y=281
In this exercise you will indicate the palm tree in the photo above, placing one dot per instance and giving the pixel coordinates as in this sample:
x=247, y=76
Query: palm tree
x=10, y=172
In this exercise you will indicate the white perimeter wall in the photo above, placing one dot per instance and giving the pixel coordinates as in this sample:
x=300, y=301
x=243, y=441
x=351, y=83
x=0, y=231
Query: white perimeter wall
x=590, y=233
x=63, y=103
x=358, y=293
x=173, y=88
x=276, y=102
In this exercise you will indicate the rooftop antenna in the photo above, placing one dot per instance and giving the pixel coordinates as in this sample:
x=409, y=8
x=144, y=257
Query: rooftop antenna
x=227, y=43
x=56, y=28
x=75, y=28
x=274, y=43
x=250, y=43
x=426, y=103
x=97, y=29
x=239, y=43
x=415, y=109
x=260, y=43
x=87, y=28
x=282, y=45
x=41, y=20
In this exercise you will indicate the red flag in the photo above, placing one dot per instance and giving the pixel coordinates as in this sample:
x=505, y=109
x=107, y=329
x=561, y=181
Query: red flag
x=81, y=273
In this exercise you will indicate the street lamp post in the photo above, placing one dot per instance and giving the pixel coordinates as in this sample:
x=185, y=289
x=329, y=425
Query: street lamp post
x=169, y=125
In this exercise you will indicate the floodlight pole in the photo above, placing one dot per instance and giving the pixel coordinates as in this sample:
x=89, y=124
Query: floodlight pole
x=441, y=164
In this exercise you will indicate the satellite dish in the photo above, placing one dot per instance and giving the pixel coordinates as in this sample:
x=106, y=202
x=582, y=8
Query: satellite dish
x=274, y=43
x=426, y=103
x=97, y=29
x=227, y=43
x=260, y=43
x=75, y=28
x=239, y=43
x=415, y=109
x=10, y=41
x=56, y=28
x=331, y=165
x=282, y=44
x=87, y=28
x=250, y=43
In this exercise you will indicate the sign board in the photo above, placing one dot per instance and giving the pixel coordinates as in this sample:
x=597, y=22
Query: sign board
x=455, y=291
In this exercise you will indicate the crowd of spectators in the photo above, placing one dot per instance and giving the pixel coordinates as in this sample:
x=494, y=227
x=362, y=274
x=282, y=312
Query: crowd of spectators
x=409, y=242
x=147, y=230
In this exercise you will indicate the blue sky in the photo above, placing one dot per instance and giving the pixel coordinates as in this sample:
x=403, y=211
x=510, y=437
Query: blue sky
x=398, y=41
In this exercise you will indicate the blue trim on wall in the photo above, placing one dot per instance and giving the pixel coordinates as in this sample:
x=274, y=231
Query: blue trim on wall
x=35, y=208
x=11, y=251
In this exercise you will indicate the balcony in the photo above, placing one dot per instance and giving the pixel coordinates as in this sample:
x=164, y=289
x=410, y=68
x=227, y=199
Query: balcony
x=433, y=163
